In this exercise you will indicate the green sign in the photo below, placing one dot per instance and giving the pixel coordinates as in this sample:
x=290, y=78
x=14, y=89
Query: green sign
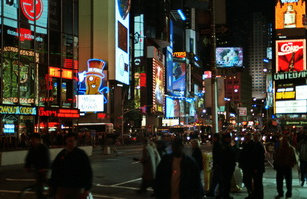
x=290, y=75
x=17, y=110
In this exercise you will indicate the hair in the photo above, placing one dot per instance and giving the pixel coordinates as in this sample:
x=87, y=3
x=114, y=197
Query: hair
x=35, y=135
x=69, y=135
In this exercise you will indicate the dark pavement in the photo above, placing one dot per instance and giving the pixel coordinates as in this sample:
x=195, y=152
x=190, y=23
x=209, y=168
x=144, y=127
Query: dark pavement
x=118, y=177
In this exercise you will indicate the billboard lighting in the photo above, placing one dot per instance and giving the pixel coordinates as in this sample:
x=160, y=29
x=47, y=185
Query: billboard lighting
x=266, y=60
x=265, y=70
x=236, y=90
x=196, y=58
x=181, y=14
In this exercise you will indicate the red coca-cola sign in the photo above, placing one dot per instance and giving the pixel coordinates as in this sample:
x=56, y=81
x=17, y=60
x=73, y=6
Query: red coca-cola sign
x=290, y=55
x=32, y=9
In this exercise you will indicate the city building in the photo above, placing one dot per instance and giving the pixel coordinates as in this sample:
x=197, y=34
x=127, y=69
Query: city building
x=257, y=53
x=39, y=63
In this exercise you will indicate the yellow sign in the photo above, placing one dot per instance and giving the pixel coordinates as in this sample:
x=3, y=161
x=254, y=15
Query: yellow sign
x=289, y=14
x=285, y=95
x=180, y=54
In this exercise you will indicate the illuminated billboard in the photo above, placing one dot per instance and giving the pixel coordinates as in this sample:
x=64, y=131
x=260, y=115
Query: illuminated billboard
x=172, y=107
x=289, y=14
x=158, y=85
x=122, y=9
x=33, y=15
x=301, y=92
x=178, y=76
x=291, y=106
x=229, y=57
x=290, y=55
x=92, y=87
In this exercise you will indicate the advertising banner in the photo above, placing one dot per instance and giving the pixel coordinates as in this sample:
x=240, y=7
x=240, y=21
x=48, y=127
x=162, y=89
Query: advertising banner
x=158, y=85
x=229, y=57
x=291, y=106
x=122, y=10
x=290, y=55
x=172, y=107
x=289, y=14
x=93, y=88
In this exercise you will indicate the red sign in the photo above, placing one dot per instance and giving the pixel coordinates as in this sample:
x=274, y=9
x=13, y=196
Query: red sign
x=61, y=112
x=290, y=55
x=142, y=79
x=32, y=9
x=70, y=63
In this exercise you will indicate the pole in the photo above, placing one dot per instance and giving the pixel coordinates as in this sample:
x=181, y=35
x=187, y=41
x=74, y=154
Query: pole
x=215, y=123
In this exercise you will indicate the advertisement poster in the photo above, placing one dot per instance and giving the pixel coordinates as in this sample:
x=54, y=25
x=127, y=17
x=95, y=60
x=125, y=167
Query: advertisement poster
x=229, y=57
x=289, y=14
x=92, y=87
x=290, y=55
x=172, y=107
x=158, y=85
x=179, y=76
x=122, y=9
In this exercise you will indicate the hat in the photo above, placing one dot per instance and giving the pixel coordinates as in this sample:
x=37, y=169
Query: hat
x=95, y=67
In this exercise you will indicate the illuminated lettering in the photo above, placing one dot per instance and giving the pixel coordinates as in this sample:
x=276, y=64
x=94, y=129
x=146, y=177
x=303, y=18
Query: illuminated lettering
x=16, y=110
x=290, y=75
x=289, y=1
x=180, y=54
x=285, y=95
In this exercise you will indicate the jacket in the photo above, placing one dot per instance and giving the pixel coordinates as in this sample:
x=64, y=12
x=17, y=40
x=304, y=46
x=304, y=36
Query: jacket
x=284, y=158
x=190, y=184
x=38, y=157
x=72, y=170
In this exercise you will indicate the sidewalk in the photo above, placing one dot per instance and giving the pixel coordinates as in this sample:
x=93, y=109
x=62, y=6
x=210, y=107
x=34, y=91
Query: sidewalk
x=269, y=185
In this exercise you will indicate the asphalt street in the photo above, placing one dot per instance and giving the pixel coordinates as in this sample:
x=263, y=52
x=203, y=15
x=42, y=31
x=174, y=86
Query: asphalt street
x=119, y=176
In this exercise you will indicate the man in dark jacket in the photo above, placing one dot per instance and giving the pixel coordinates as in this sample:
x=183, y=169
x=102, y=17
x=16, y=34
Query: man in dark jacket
x=38, y=160
x=71, y=171
x=177, y=176
x=246, y=162
x=227, y=164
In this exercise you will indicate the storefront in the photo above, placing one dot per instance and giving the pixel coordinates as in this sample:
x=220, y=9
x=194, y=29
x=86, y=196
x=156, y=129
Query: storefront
x=17, y=120
x=38, y=64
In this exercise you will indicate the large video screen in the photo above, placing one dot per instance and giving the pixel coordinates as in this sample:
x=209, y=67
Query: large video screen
x=289, y=14
x=172, y=107
x=229, y=57
x=179, y=76
x=290, y=55
x=158, y=85
x=122, y=10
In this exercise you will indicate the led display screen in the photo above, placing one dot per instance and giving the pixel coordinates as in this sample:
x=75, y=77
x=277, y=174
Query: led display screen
x=122, y=9
x=289, y=14
x=301, y=92
x=290, y=55
x=291, y=106
x=92, y=87
x=172, y=107
x=229, y=57
x=158, y=86
x=179, y=76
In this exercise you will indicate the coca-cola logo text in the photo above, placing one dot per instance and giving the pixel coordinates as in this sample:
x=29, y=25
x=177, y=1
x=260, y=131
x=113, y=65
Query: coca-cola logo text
x=289, y=48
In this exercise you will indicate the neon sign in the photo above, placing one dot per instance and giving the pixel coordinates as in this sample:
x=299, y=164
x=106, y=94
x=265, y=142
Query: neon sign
x=92, y=87
x=57, y=72
x=17, y=110
x=61, y=113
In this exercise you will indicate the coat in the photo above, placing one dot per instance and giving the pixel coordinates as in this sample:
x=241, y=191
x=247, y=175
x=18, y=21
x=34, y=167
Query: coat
x=72, y=170
x=190, y=183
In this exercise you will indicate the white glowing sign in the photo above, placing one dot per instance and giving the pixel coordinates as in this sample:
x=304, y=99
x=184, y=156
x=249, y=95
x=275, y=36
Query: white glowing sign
x=91, y=103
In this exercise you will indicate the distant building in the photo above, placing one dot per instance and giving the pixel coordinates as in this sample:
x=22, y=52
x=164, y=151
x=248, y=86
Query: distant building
x=257, y=53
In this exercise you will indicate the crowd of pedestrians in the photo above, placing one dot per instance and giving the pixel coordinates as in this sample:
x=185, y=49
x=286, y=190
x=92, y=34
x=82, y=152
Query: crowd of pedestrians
x=178, y=175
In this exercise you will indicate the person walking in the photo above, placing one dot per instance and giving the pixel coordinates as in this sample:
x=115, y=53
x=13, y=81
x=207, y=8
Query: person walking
x=177, y=175
x=216, y=166
x=197, y=154
x=72, y=174
x=284, y=160
x=38, y=159
x=150, y=159
x=246, y=162
x=302, y=150
x=258, y=167
x=228, y=162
